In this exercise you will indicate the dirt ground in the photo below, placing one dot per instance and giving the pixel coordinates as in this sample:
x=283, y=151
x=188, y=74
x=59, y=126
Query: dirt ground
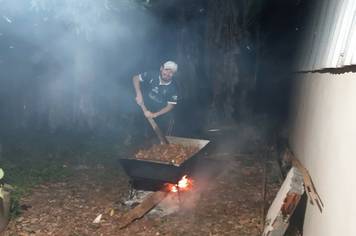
x=224, y=199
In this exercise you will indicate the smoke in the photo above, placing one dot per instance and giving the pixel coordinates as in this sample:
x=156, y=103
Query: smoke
x=61, y=61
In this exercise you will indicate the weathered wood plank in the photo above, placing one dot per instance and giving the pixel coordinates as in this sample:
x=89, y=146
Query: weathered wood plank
x=277, y=219
x=143, y=208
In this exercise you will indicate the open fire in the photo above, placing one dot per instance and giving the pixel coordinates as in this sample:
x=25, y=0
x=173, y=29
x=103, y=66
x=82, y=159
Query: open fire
x=161, y=202
x=183, y=184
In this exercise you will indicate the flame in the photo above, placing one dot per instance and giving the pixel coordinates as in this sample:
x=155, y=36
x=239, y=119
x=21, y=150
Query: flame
x=183, y=184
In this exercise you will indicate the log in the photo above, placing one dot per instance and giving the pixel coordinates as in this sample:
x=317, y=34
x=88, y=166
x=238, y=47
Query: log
x=143, y=208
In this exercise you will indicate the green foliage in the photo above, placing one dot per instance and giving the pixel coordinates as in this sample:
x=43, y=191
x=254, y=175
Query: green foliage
x=15, y=208
x=48, y=173
x=82, y=16
x=34, y=176
x=16, y=194
x=30, y=161
x=26, y=166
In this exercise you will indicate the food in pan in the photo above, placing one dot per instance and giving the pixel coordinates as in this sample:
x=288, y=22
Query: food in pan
x=173, y=153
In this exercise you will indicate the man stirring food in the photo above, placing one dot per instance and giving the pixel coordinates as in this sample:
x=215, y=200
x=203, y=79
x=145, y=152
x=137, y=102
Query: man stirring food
x=158, y=92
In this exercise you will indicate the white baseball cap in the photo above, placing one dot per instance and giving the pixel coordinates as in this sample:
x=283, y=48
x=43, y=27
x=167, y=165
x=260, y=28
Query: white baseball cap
x=171, y=65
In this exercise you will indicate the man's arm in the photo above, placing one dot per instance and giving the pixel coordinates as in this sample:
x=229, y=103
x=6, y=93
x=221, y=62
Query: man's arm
x=161, y=112
x=136, y=83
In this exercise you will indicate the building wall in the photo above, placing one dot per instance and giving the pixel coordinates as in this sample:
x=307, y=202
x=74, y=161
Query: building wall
x=322, y=132
x=330, y=38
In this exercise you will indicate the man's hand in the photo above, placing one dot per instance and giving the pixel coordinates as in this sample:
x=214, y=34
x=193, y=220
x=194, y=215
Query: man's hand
x=139, y=99
x=149, y=114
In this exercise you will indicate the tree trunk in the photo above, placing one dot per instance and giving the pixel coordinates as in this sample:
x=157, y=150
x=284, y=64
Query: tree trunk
x=222, y=31
x=84, y=86
x=187, y=55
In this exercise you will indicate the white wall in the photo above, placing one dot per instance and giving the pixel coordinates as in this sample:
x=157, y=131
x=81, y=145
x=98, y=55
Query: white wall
x=322, y=132
x=330, y=36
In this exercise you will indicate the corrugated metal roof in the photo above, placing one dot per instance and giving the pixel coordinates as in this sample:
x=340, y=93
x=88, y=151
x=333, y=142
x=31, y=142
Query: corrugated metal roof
x=330, y=41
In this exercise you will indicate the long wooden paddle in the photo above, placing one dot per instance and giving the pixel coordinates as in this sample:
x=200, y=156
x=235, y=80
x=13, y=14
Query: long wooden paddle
x=161, y=137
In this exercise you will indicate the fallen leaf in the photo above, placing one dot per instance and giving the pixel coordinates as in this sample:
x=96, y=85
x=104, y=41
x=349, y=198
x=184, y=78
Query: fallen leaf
x=112, y=212
x=97, y=219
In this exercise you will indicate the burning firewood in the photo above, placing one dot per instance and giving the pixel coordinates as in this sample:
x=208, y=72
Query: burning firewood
x=172, y=153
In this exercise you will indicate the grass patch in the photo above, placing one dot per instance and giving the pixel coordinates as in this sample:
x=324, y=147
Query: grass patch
x=29, y=159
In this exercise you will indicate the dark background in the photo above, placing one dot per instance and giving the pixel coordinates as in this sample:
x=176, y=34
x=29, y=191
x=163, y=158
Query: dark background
x=38, y=70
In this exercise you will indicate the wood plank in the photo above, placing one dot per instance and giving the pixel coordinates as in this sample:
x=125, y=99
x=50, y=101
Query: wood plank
x=143, y=208
x=277, y=219
x=161, y=137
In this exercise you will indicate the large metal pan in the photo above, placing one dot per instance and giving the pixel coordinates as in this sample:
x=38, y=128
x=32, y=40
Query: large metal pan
x=160, y=171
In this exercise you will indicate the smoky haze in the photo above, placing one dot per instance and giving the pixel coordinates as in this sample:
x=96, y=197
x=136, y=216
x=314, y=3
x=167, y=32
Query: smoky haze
x=62, y=68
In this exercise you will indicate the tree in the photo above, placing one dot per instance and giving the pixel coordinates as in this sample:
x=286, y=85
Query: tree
x=228, y=61
x=222, y=31
x=225, y=49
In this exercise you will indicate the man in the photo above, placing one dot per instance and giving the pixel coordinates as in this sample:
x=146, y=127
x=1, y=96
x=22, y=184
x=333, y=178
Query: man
x=158, y=93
